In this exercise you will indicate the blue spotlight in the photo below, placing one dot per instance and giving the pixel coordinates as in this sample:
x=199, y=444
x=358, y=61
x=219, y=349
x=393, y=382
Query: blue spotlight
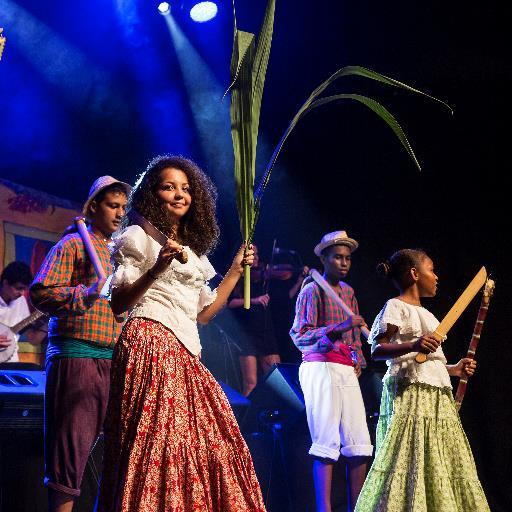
x=203, y=11
x=164, y=8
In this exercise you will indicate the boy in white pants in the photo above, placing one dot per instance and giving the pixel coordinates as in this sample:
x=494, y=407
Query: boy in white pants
x=330, y=343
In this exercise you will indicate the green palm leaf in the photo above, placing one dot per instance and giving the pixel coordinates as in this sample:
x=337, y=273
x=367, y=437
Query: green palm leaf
x=248, y=69
x=313, y=102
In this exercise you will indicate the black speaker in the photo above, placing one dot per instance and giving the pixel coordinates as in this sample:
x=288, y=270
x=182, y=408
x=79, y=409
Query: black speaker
x=277, y=399
x=21, y=398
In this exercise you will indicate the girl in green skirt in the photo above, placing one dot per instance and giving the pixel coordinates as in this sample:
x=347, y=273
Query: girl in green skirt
x=423, y=461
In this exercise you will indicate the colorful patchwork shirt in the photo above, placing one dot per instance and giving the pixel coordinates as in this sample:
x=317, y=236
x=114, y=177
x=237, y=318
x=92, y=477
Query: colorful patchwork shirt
x=316, y=315
x=59, y=290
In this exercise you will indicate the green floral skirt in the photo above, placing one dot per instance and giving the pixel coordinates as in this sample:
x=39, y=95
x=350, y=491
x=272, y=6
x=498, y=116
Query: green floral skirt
x=423, y=461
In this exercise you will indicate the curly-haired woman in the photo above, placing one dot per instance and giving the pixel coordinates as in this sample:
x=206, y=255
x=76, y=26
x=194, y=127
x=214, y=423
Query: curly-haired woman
x=172, y=442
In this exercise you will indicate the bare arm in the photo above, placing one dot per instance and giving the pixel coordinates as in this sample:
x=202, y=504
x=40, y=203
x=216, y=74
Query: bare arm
x=464, y=368
x=238, y=302
x=227, y=285
x=387, y=350
x=295, y=289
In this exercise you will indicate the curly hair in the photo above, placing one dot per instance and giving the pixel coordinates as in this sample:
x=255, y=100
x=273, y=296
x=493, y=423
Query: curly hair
x=198, y=228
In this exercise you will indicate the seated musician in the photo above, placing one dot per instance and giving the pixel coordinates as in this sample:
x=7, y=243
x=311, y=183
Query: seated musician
x=14, y=282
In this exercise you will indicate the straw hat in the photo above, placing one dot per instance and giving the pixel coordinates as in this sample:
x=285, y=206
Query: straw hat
x=336, y=238
x=101, y=183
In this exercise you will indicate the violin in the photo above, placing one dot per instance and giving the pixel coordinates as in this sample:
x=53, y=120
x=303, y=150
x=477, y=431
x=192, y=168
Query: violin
x=279, y=271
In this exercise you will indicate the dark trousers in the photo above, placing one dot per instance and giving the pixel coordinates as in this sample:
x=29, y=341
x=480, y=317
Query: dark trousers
x=75, y=406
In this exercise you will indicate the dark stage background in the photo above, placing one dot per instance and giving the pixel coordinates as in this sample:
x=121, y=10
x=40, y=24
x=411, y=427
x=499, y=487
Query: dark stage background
x=99, y=87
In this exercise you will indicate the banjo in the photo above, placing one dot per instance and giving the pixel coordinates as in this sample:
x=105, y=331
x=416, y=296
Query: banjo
x=10, y=332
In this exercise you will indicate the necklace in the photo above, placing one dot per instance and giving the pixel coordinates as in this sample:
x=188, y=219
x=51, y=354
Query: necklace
x=101, y=239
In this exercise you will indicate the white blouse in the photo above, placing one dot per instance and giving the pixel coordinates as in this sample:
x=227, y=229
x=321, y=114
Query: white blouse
x=412, y=322
x=177, y=296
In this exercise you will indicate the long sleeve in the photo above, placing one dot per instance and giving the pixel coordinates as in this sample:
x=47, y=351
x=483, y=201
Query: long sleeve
x=59, y=289
x=52, y=292
x=305, y=333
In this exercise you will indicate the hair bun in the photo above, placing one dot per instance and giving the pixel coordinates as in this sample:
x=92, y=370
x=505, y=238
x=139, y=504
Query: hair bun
x=384, y=269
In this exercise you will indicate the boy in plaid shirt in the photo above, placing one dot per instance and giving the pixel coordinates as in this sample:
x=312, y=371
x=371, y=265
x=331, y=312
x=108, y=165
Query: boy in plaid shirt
x=331, y=364
x=81, y=336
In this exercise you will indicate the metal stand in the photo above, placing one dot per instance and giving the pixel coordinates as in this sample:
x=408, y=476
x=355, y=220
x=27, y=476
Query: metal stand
x=271, y=421
x=229, y=357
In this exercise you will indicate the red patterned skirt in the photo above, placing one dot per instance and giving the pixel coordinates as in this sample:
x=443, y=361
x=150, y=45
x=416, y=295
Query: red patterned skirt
x=171, y=440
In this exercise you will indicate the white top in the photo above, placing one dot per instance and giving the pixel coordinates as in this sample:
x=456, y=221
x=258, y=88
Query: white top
x=177, y=296
x=412, y=322
x=10, y=314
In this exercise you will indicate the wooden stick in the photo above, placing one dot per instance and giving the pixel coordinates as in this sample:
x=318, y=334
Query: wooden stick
x=89, y=248
x=335, y=297
x=456, y=310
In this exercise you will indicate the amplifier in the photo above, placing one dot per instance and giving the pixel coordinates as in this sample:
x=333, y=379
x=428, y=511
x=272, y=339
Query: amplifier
x=21, y=399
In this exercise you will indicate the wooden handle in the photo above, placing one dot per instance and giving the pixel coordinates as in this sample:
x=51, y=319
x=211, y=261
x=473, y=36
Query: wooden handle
x=421, y=357
x=26, y=321
x=182, y=257
x=89, y=248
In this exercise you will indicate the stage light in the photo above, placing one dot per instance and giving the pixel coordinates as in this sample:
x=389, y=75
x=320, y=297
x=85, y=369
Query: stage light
x=164, y=8
x=203, y=11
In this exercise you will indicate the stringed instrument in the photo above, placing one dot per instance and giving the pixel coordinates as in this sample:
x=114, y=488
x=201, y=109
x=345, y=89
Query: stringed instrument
x=10, y=333
x=475, y=338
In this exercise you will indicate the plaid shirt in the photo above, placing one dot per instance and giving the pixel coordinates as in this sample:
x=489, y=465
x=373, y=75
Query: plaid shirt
x=316, y=315
x=59, y=290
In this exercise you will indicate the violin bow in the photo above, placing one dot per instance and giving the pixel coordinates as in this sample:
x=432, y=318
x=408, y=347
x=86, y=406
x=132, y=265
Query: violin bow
x=268, y=267
x=475, y=338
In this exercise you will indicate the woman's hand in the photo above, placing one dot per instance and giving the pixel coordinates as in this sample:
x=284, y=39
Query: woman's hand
x=262, y=300
x=464, y=368
x=425, y=344
x=243, y=257
x=167, y=253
